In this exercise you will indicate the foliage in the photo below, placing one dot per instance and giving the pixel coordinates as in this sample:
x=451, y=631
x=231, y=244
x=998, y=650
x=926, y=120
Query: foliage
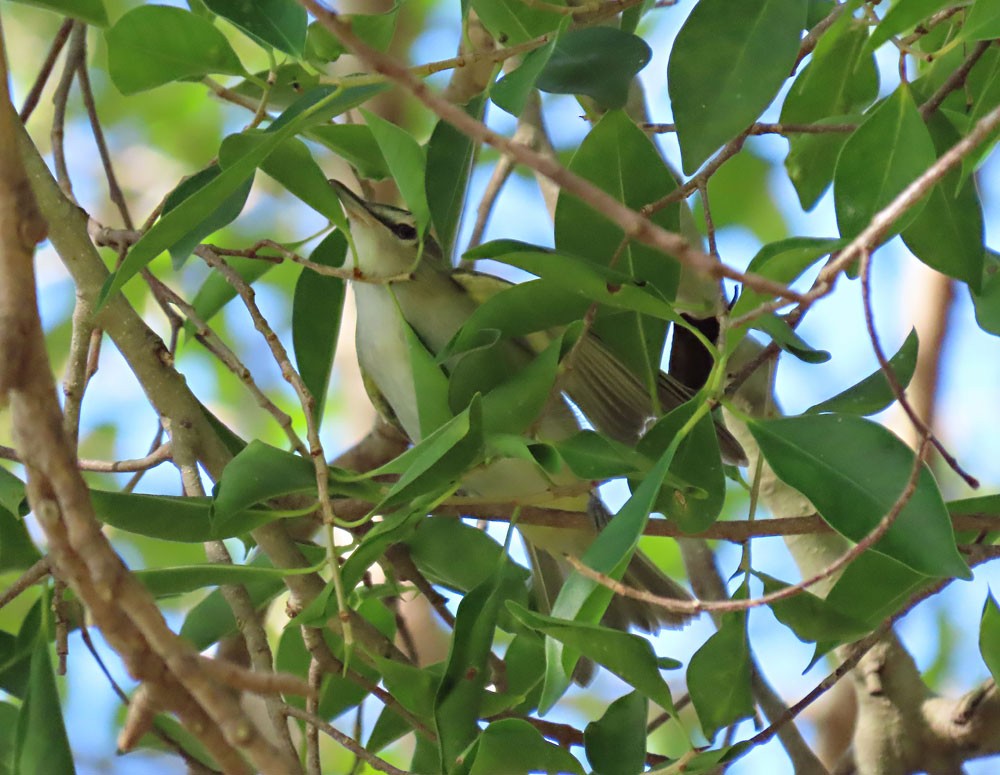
x=242, y=209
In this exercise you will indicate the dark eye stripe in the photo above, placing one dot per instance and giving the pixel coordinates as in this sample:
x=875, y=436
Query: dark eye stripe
x=403, y=230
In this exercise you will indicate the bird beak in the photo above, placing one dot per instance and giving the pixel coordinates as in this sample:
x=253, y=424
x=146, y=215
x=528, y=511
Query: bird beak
x=355, y=207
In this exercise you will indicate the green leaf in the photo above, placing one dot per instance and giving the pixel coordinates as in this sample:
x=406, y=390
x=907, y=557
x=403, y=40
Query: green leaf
x=513, y=745
x=725, y=67
x=261, y=472
x=783, y=261
x=456, y=555
x=840, y=79
x=590, y=455
x=616, y=742
x=155, y=44
x=785, y=337
x=460, y=694
x=583, y=599
x=8, y=729
x=630, y=657
x=407, y=163
x=216, y=292
x=293, y=166
x=982, y=22
x=903, y=16
x=718, y=676
x=512, y=91
x=619, y=158
x=449, y=162
x=883, y=156
x=356, y=145
x=599, y=62
x=812, y=618
x=830, y=458
x=947, y=235
x=316, y=312
x=987, y=301
x=12, y=495
x=17, y=550
x=514, y=21
x=278, y=23
x=989, y=636
x=208, y=222
x=697, y=464
x=188, y=520
x=873, y=394
x=89, y=11
x=438, y=461
x=315, y=106
x=167, y=582
x=41, y=744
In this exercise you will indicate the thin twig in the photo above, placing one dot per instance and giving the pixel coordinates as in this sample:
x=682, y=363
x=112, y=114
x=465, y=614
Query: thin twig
x=26, y=580
x=349, y=743
x=35, y=94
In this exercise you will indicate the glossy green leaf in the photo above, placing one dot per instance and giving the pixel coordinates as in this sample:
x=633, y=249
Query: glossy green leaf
x=317, y=306
x=903, y=16
x=785, y=337
x=883, y=156
x=12, y=495
x=726, y=66
x=812, y=159
x=8, y=729
x=948, y=235
x=982, y=21
x=41, y=744
x=630, y=657
x=293, y=166
x=439, y=460
x=619, y=158
x=210, y=221
x=590, y=455
x=840, y=80
x=356, y=145
x=167, y=582
x=987, y=301
x=599, y=62
x=989, y=636
x=718, y=676
x=318, y=105
x=456, y=555
x=155, y=44
x=873, y=587
x=89, y=11
x=449, y=163
x=17, y=550
x=261, y=472
x=584, y=600
x=514, y=310
x=616, y=742
x=697, y=464
x=188, y=520
x=512, y=91
x=515, y=21
x=783, y=261
x=460, y=694
x=514, y=745
x=278, y=23
x=812, y=618
x=873, y=394
x=407, y=163
x=829, y=458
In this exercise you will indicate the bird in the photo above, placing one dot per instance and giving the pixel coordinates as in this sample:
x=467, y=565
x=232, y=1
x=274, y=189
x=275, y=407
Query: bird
x=404, y=281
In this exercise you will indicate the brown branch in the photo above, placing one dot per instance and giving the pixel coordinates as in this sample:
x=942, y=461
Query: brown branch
x=26, y=580
x=159, y=455
x=35, y=94
x=349, y=743
x=761, y=128
x=635, y=225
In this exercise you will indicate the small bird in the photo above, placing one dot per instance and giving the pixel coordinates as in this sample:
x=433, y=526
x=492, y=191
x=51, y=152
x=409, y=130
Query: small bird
x=423, y=292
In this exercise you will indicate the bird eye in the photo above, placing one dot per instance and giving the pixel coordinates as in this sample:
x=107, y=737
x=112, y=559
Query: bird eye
x=404, y=231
